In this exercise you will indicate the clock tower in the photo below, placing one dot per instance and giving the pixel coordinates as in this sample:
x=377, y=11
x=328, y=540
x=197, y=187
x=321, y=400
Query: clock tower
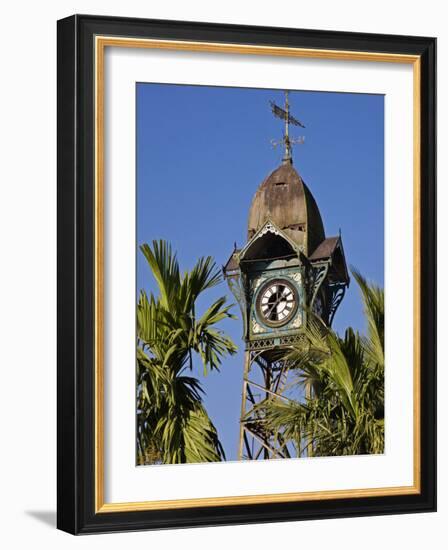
x=286, y=271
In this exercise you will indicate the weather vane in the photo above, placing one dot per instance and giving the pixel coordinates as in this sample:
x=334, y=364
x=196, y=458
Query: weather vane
x=289, y=119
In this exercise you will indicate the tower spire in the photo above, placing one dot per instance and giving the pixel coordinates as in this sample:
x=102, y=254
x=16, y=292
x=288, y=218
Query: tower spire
x=288, y=156
x=286, y=141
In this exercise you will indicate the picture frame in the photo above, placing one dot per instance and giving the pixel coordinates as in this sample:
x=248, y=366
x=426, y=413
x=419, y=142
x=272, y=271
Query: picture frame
x=82, y=41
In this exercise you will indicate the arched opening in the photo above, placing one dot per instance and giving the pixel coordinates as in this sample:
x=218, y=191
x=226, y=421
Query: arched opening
x=269, y=246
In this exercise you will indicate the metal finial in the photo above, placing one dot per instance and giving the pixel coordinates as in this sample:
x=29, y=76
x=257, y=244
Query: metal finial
x=285, y=115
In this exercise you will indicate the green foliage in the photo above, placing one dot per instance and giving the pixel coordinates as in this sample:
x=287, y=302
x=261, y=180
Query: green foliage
x=172, y=423
x=345, y=412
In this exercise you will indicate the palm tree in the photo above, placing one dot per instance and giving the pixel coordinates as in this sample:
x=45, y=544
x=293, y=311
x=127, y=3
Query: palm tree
x=344, y=414
x=172, y=423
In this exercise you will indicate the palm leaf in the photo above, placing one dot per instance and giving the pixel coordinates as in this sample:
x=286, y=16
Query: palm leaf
x=173, y=425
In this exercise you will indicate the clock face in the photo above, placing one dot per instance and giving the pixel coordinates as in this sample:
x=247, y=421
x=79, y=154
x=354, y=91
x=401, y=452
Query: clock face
x=277, y=302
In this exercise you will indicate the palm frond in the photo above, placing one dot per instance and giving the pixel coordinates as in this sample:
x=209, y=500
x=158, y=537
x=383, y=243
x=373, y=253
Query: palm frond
x=165, y=269
x=373, y=300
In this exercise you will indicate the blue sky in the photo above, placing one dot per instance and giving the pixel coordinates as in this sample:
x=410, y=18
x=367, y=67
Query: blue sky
x=201, y=154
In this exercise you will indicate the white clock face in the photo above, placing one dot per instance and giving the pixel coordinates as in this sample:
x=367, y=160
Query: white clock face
x=277, y=302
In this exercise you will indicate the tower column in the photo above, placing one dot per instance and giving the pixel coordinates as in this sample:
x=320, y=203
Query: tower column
x=255, y=442
x=287, y=272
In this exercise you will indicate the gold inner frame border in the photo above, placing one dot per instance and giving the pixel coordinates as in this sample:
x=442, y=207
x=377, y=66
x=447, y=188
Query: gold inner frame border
x=100, y=44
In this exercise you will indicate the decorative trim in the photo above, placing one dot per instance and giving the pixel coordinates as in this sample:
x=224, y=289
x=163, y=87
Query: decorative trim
x=268, y=227
x=256, y=328
x=297, y=276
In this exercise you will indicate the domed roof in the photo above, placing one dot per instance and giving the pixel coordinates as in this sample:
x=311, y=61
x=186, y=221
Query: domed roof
x=284, y=199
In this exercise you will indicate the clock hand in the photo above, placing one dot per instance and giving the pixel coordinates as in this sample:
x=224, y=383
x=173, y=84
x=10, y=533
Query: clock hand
x=274, y=305
x=271, y=310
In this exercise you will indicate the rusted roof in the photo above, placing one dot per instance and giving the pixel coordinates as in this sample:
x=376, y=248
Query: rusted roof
x=325, y=249
x=232, y=264
x=284, y=199
x=332, y=248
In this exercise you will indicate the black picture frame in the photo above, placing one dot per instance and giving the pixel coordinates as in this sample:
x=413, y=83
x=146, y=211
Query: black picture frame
x=76, y=255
